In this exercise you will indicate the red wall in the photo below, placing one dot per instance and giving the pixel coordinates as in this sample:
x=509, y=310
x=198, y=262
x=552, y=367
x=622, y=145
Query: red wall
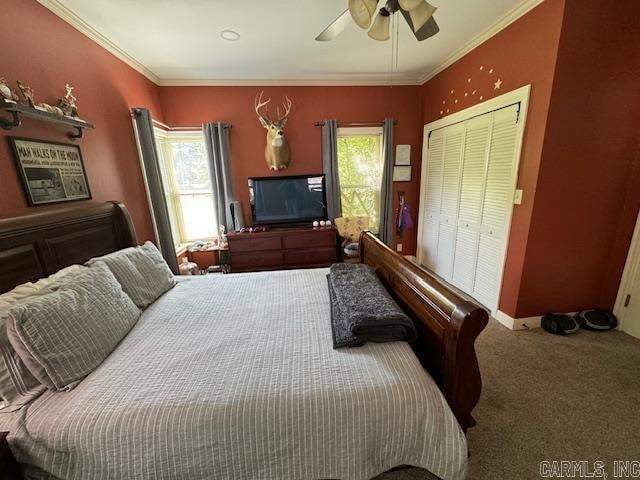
x=49, y=54
x=189, y=106
x=521, y=54
x=580, y=162
x=587, y=197
x=579, y=170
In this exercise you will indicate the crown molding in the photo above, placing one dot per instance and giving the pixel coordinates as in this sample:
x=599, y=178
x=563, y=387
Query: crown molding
x=338, y=81
x=503, y=22
x=79, y=24
x=76, y=22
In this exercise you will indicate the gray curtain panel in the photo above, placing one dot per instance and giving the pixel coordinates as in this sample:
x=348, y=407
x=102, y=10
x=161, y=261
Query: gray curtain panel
x=386, y=194
x=155, y=190
x=330, y=168
x=216, y=139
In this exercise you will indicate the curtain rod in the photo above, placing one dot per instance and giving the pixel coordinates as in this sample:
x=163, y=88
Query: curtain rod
x=183, y=127
x=355, y=124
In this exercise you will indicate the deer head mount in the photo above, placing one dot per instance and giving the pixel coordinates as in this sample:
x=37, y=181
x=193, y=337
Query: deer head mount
x=276, y=152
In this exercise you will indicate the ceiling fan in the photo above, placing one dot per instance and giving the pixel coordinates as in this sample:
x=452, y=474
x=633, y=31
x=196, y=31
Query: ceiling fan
x=417, y=13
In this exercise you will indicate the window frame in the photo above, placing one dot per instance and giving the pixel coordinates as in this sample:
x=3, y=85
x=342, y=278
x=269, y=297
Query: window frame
x=350, y=132
x=164, y=141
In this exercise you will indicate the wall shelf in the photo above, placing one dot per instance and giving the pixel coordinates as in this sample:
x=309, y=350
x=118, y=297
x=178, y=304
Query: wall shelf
x=17, y=110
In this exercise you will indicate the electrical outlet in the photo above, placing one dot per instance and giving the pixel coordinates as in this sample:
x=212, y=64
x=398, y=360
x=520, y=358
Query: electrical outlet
x=517, y=198
x=399, y=247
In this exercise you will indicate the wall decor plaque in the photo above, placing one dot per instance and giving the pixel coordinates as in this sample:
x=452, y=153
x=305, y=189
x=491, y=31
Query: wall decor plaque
x=50, y=172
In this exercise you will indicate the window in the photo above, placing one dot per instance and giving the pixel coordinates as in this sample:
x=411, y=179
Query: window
x=360, y=165
x=187, y=185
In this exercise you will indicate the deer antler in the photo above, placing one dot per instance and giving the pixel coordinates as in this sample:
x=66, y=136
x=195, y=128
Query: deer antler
x=287, y=108
x=258, y=104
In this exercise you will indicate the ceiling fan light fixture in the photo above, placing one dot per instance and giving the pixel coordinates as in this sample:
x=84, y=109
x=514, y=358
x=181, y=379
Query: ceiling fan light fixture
x=362, y=11
x=409, y=5
x=421, y=14
x=381, y=26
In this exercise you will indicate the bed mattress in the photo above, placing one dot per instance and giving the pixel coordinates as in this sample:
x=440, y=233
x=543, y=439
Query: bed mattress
x=234, y=377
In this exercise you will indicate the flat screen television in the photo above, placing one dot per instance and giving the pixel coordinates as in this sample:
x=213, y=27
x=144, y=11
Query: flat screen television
x=287, y=200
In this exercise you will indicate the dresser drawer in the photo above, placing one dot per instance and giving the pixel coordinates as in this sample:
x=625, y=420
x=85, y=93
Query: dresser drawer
x=316, y=256
x=318, y=238
x=255, y=260
x=251, y=244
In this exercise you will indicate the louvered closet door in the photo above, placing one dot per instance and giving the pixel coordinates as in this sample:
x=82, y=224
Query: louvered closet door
x=476, y=147
x=432, y=197
x=497, y=205
x=452, y=160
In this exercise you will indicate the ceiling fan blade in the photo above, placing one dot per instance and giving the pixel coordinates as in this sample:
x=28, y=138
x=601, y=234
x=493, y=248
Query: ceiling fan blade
x=335, y=28
x=381, y=26
x=421, y=14
x=409, y=5
x=429, y=29
x=362, y=11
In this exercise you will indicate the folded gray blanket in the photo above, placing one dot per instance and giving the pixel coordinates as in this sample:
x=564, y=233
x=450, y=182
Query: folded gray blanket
x=362, y=310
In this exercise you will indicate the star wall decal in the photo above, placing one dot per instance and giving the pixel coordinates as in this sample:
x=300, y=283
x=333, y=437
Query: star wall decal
x=470, y=95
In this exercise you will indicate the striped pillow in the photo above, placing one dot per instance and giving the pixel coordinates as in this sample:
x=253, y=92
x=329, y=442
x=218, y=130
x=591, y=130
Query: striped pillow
x=142, y=272
x=17, y=385
x=63, y=335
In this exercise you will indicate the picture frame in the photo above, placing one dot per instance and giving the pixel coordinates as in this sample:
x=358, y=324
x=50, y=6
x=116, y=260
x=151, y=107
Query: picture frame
x=50, y=172
x=402, y=173
x=403, y=155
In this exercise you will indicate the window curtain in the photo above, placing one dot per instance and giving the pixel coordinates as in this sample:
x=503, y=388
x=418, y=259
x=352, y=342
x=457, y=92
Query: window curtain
x=330, y=168
x=216, y=139
x=386, y=191
x=145, y=137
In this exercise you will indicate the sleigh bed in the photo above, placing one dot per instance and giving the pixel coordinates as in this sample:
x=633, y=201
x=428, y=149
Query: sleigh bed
x=238, y=359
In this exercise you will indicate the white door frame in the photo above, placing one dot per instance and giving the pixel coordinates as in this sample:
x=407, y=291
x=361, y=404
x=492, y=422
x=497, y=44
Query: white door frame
x=519, y=95
x=630, y=269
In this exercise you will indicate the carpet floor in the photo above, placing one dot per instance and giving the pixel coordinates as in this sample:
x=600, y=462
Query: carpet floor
x=551, y=398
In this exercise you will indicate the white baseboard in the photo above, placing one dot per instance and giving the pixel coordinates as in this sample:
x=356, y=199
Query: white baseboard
x=518, y=323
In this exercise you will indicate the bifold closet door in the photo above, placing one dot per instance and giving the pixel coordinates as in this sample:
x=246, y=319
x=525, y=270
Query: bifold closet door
x=476, y=147
x=497, y=205
x=469, y=182
x=448, y=215
x=434, y=146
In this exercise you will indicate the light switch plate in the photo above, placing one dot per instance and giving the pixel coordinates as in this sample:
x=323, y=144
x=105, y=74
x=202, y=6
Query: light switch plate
x=517, y=198
x=399, y=247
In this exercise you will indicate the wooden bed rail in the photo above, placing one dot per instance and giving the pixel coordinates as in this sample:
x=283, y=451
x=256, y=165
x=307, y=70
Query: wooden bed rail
x=447, y=321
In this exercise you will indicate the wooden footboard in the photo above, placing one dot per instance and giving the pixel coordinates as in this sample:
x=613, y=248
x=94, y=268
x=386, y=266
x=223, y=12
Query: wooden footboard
x=448, y=324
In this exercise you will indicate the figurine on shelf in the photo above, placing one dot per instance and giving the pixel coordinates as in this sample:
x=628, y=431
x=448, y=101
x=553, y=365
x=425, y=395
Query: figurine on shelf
x=6, y=92
x=50, y=109
x=68, y=103
x=27, y=93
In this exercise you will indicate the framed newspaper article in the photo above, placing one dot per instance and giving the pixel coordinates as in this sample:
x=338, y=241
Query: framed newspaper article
x=50, y=172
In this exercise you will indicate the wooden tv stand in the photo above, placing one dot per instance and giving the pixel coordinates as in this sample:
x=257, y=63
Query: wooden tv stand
x=283, y=248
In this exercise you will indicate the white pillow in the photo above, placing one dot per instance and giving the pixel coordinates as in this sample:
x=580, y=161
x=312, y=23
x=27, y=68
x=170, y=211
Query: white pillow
x=27, y=289
x=17, y=385
x=66, y=333
x=142, y=272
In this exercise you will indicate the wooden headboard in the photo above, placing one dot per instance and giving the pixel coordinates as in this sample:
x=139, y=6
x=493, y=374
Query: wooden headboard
x=39, y=244
x=448, y=324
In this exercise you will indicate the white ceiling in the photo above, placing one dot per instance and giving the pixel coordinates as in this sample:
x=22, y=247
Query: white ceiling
x=178, y=42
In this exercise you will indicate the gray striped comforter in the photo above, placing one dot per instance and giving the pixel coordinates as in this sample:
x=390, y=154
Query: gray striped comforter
x=234, y=377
